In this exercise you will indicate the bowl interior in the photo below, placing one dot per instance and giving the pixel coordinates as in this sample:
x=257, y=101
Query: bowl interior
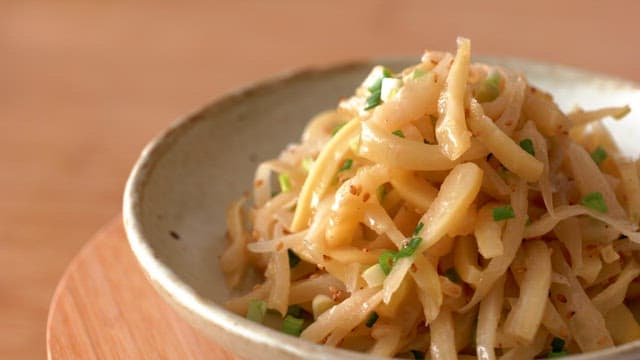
x=178, y=192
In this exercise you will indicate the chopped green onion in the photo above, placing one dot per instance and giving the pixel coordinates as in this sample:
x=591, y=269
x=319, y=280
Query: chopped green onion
x=409, y=249
x=307, y=163
x=503, y=213
x=381, y=192
x=386, y=261
x=599, y=155
x=557, y=348
x=490, y=88
x=418, y=228
x=292, y=325
x=417, y=355
x=373, y=100
x=528, y=221
x=398, y=133
x=418, y=73
x=452, y=275
x=294, y=310
x=595, y=201
x=256, y=311
x=346, y=166
x=285, y=182
x=294, y=259
x=527, y=145
x=337, y=128
x=274, y=193
x=372, y=319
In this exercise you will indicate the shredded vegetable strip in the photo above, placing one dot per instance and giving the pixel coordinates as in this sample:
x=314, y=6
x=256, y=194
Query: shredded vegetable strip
x=446, y=210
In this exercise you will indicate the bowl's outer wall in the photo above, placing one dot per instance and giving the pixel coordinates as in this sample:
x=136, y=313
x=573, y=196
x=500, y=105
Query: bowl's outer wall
x=176, y=197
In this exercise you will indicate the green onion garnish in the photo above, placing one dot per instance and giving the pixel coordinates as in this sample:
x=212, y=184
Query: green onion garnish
x=398, y=133
x=337, y=128
x=373, y=100
x=527, y=145
x=381, y=192
x=503, y=213
x=376, y=90
x=285, y=182
x=409, y=249
x=418, y=73
x=294, y=310
x=599, y=155
x=417, y=355
x=346, y=165
x=292, y=325
x=372, y=319
x=595, y=201
x=557, y=348
x=386, y=261
x=489, y=89
x=294, y=259
x=256, y=310
x=418, y=228
x=307, y=163
x=452, y=275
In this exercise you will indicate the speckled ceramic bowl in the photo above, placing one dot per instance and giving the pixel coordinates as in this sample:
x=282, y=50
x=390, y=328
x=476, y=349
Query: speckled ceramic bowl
x=177, y=192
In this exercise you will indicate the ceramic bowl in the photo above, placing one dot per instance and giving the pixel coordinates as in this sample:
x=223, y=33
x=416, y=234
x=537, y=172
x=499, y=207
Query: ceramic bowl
x=177, y=192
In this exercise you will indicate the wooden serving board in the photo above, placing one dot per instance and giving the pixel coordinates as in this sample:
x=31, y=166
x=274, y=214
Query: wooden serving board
x=105, y=308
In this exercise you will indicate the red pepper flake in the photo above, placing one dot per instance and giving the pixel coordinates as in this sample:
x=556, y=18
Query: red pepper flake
x=366, y=197
x=561, y=298
x=259, y=183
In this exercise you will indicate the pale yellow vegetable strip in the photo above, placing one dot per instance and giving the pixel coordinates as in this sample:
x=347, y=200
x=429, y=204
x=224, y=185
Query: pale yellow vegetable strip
x=305, y=290
x=614, y=294
x=590, y=179
x=377, y=219
x=321, y=173
x=631, y=186
x=586, y=323
x=348, y=205
x=541, y=153
x=443, y=345
x=509, y=118
x=381, y=146
x=387, y=337
x=451, y=129
x=240, y=304
x=416, y=191
x=417, y=97
x=622, y=325
x=581, y=117
x=511, y=240
x=272, y=245
x=569, y=233
x=354, y=310
x=278, y=273
x=528, y=352
x=457, y=192
x=265, y=215
x=608, y=254
x=545, y=113
x=546, y=223
x=510, y=154
x=488, y=232
x=591, y=267
x=492, y=183
x=234, y=258
x=488, y=319
x=553, y=321
x=465, y=260
x=429, y=292
x=526, y=316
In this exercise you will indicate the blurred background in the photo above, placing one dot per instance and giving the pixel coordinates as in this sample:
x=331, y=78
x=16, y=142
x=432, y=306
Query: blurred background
x=85, y=84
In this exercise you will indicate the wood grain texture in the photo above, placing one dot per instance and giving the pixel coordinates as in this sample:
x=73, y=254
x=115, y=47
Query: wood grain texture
x=104, y=308
x=85, y=84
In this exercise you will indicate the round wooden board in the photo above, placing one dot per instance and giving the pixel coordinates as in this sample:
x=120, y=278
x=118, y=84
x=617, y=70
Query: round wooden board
x=105, y=308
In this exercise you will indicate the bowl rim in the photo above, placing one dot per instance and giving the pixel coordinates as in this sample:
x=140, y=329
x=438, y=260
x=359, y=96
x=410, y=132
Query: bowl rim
x=168, y=283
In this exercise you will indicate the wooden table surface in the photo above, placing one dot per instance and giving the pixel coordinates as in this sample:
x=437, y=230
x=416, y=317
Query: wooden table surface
x=84, y=84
